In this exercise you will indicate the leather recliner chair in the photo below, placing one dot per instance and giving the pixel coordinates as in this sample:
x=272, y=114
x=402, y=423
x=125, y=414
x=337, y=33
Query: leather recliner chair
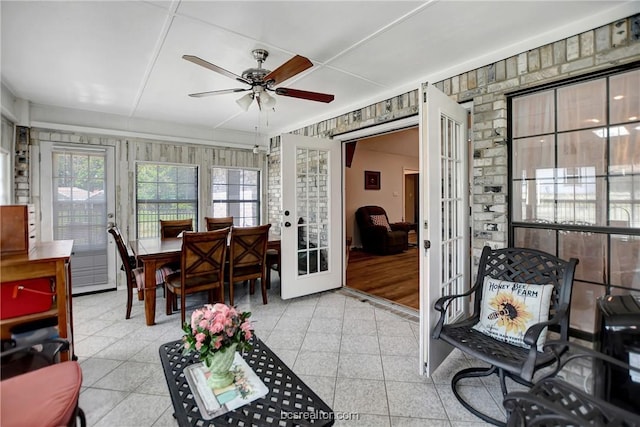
x=377, y=235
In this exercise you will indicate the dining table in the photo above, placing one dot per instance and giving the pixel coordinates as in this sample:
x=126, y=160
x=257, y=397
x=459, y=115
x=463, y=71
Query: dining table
x=155, y=252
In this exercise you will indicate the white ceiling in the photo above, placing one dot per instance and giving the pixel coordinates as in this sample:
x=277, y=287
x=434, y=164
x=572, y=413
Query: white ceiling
x=125, y=57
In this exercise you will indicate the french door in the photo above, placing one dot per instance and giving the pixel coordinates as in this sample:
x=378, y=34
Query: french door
x=77, y=187
x=445, y=201
x=311, y=215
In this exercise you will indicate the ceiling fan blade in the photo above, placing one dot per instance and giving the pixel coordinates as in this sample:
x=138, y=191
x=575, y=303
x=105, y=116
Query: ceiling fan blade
x=303, y=94
x=295, y=65
x=212, y=67
x=217, y=92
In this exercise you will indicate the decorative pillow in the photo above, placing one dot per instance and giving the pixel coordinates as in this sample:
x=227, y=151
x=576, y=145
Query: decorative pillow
x=381, y=220
x=508, y=309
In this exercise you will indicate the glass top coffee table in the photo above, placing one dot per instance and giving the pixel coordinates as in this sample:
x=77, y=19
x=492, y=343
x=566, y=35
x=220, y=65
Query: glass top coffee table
x=290, y=402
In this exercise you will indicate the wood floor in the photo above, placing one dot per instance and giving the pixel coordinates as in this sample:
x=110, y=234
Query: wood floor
x=392, y=277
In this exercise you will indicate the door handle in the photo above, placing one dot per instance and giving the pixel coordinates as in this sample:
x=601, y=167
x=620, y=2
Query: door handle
x=287, y=224
x=427, y=244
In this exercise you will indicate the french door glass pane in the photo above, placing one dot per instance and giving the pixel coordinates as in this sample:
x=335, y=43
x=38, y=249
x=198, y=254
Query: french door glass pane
x=451, y=202
x=582, y=105
x=312, y=186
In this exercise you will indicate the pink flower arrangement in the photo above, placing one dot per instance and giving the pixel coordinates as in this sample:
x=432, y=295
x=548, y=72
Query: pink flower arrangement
x=214, y=328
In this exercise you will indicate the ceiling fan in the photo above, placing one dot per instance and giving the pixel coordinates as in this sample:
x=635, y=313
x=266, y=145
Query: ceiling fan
x=262, y=81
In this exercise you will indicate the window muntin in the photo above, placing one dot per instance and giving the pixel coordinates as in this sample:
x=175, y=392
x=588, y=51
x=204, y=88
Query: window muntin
x=575, y=183
x=236, y=192
x=164, y=191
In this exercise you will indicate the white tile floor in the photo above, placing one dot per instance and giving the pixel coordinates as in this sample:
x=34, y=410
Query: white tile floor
x=359, y=357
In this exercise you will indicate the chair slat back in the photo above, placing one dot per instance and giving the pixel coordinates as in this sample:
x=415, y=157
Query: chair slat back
x=122, y=248
x=173, y=227
x=218, y=223
x=248, y=245
x=204, y=254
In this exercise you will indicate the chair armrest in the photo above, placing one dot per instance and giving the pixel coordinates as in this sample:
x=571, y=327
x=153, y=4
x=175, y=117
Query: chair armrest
x=63, y=345
x=440, y=302
x=398, y=226
x=534, y=331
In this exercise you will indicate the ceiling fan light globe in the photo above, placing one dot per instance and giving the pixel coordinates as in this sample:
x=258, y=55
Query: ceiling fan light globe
x=267, y=100
x=245, y=101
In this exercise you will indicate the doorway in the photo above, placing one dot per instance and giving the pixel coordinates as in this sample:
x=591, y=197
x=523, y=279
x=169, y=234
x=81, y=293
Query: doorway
x=78, y=200
x=394, y=157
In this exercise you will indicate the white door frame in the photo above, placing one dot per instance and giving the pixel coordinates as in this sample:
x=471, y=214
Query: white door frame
x=387, y=127
x=46, y=150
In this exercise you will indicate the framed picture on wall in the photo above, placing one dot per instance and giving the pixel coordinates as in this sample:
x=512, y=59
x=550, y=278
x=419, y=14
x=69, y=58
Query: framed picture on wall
x=371, y=180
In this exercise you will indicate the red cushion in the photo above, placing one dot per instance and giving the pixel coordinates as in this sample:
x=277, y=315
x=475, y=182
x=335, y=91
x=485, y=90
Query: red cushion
x=46, y=397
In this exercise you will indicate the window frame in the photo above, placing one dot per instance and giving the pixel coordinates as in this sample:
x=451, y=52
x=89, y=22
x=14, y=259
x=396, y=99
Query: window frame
x=604, y=231
x=138, y=201
x=237, y=220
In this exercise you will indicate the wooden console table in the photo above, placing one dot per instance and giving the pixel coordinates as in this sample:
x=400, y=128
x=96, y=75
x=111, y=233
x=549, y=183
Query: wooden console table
x=45, y=260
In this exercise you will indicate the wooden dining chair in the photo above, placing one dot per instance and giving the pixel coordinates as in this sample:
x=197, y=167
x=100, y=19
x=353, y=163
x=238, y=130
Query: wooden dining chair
x=273, y=263
x=202, y=263
x=218, y=223
x=173, y=227
x=133, y=272
x=248, y=258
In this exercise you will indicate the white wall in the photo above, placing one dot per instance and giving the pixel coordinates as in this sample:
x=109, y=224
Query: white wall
x=390, y=155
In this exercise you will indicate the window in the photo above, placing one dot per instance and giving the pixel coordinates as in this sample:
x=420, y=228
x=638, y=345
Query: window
x=165, y=191
x=236, y=193
x=575, y=182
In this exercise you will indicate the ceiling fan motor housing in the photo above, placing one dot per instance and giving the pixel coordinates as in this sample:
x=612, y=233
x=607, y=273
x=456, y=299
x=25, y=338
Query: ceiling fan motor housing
x=256, y=75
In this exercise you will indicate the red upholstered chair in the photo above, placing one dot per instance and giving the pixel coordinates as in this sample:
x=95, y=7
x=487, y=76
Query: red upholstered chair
x=44, y=397
x=47, y=397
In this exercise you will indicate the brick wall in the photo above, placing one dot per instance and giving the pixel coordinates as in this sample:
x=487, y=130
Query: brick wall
x=486, y=87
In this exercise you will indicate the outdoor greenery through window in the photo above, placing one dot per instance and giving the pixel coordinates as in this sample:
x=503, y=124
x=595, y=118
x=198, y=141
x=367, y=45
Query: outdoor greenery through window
x=236, y=193
x=575, y=182
x=165, y=191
